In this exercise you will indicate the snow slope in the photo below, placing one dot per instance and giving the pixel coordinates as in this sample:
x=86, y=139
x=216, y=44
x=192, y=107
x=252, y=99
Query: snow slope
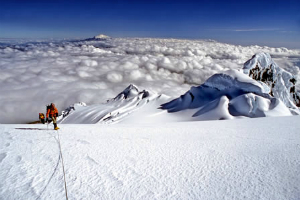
x=228, y=95
x=231, y=159
x=114, y=110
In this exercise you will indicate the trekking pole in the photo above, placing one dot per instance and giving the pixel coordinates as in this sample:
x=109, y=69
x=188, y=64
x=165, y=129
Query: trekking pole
x=47, y=118
x=47, y=124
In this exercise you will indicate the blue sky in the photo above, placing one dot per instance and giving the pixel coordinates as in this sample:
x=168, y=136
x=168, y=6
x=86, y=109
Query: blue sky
x=271, y=23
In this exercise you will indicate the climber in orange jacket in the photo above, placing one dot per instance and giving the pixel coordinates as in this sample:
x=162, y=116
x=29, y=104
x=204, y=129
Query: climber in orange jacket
x=52, y=113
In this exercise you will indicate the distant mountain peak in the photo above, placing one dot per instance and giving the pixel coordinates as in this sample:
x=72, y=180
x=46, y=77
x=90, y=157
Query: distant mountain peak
x=101, y=36
x=131, y=91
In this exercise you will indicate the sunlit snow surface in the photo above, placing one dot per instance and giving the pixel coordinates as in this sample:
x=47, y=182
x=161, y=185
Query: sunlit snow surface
x=153, y=154
x=232, y=159
x=36, y=73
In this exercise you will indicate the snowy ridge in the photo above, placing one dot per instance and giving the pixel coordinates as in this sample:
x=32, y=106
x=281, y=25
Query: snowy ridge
x=226, y=96
x=233, y=78
x=113, y=111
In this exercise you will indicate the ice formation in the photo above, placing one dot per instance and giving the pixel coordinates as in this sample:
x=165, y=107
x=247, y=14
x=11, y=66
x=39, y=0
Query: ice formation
x=228, y=95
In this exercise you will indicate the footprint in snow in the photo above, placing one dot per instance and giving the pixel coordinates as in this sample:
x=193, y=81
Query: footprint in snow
x=115, y=179
x=19, y=158
x=2, y=156
x=83, y=142
x=131, y=160
x=92, y=160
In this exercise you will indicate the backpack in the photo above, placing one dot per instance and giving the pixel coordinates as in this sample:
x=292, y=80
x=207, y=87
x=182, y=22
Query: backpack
x=48, y=107
x=41, y=115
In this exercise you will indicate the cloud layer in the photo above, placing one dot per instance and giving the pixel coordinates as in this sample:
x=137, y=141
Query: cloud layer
x=37, y=73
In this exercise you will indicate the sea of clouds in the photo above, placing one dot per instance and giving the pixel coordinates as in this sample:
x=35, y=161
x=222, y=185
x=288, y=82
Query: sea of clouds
x=34, y=74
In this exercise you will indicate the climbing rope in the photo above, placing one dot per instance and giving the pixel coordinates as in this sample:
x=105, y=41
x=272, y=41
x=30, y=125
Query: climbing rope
x=59, y=158
x=62, y=162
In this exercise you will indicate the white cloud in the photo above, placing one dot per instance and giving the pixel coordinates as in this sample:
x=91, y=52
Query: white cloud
x=35, y=74
x=114, y=77
x=257, y=29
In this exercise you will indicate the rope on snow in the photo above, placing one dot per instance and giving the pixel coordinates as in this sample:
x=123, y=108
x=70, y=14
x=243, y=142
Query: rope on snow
x=62, y=162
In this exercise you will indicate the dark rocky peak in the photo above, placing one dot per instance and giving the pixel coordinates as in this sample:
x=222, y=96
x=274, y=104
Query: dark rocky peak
x=262, y=68
x=130, y=92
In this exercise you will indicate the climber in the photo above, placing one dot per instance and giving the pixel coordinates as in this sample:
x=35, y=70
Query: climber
x=42, y=117
x=52, y=113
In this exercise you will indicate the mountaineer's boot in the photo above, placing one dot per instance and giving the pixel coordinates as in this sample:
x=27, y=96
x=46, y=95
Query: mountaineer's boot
x=55, y=127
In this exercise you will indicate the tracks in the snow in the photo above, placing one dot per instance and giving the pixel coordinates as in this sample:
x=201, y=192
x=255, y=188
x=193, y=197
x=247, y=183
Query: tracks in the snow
x=62, y=162
x=60, y=158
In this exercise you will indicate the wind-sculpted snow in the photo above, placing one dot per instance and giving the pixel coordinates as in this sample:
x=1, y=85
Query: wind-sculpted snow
x=33, y=74
x=228, y=95
x=113, y=111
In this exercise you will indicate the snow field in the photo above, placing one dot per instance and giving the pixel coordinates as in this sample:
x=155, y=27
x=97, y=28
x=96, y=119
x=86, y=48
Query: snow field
x=30, y=164
x=231, y=159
